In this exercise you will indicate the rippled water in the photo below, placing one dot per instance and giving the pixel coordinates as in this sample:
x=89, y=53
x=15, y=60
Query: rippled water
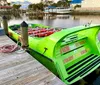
x=64, y=21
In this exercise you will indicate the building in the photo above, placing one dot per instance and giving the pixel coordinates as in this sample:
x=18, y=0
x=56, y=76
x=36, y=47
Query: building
x=90, y=3
x=89, y=7
x=3, y=2
x=76, y=1
x=4, y=6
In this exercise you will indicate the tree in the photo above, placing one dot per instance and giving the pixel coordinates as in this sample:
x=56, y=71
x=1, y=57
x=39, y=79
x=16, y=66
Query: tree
x=9, y=4
x=30, y=6
x=38, y=6
x=54, y=4
x=59, y=3
x=64, y=3
x=49, y=2
x=77, y=6
x=16, y=6
x=68, y=2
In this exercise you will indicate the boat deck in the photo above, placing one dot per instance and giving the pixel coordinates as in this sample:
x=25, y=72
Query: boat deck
x=23, y=69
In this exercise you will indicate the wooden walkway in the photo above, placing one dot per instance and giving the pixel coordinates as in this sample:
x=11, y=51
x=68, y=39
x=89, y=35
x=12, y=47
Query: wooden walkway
x=23, y=69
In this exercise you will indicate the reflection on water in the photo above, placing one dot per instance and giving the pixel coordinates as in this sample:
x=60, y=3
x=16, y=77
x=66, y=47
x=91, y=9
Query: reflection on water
x=63, y=16
x=10, y=17
x=64, y=21
x=84, y=19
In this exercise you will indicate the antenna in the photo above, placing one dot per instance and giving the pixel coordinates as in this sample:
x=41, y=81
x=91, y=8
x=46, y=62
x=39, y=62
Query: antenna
x=88, y=24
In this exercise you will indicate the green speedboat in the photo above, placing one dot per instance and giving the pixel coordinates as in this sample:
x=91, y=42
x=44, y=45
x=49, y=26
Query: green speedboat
x=71, y=54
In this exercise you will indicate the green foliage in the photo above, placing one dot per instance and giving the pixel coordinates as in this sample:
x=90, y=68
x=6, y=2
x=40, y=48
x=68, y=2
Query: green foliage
x=62, y=3
x=16, y=6
x=54, y=4
x=40, y=6
x=49, y=2
x=77, y=6
x=9, y=4
x=30, y=6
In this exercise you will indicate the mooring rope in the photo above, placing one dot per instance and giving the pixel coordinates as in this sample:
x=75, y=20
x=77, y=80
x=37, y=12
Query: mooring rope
x=9, y=48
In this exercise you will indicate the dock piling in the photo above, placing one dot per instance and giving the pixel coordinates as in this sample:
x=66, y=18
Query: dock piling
x=24, y=34
x=0, y=24
x=5, y=24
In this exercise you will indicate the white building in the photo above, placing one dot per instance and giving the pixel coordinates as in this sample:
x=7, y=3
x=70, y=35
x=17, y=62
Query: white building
x=90, y=3
x=3, y=2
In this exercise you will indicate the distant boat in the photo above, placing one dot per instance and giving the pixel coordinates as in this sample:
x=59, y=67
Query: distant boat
x=59, y=10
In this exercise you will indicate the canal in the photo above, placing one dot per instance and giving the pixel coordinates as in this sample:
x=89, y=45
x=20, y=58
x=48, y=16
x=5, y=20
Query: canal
x=63, y=21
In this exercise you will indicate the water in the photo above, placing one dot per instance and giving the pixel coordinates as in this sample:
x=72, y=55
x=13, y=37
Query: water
x=63, y=21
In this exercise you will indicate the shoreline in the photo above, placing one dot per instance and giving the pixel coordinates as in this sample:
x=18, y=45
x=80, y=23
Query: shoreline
x=86, y=11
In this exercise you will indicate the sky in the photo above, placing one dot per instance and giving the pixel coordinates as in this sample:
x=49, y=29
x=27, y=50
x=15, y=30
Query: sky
x=33, y=1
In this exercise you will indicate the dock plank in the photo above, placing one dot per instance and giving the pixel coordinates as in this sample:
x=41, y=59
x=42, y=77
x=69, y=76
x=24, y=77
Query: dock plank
x=23, y=69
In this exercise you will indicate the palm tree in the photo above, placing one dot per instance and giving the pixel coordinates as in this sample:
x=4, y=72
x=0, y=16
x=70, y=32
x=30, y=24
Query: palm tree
x=49, y=3
x=68, y=2
x=61, y=4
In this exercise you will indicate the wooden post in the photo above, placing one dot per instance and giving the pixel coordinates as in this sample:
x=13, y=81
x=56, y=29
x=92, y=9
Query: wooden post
x=5, y=24
x=0, y=24
x=24, y=34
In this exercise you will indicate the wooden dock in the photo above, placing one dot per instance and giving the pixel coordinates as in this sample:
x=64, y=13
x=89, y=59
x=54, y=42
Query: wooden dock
x=23, y=69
